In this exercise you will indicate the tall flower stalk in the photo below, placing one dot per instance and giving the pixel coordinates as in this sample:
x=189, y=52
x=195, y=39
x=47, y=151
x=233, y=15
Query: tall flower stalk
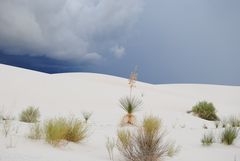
x=132, y=80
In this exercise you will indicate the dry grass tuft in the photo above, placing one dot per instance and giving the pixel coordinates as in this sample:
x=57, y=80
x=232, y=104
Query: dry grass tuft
x=59, y=129
x=145, y=144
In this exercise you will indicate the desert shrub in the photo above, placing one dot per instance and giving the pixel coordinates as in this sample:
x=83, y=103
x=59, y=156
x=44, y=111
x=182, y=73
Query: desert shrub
x=130, y=105
x=36, y=131
x=110, y=144
x=205, y=110
x=31, y=115
x=229, y=135
x=234, y=121
x=55, y=130
x=207, y=139
x=86, y=115
x=76, y=130
x=59, y=129
x=145, y=144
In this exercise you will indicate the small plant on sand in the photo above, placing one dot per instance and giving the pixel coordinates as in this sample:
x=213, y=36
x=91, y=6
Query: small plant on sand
x=173, y=149
x=145, y=144
x=234, y=121
x=59, y=129
x=207, y=139
x=31, y=115
x=76, y=130
x=7, y=125
x=110, y=144
x=205, y=110
x=224, y=122
x=229, y=135
x=217, y=124
x=130, y=105
x=86, y=115
x=36, y=132
x=55, y=130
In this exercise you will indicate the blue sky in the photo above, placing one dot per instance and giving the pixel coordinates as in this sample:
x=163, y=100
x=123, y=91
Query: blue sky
x=171, y=41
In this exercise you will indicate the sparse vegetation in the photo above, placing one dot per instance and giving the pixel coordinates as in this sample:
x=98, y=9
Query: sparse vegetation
x=229, y=135
x=145, y=144
x=234, y=121
x=205, y=110
x=130, y=105
x=173, y=149
x=36, y=131
x=30, y=115
x=110, y=144
x=59, y=129
x=217, y=124
x=124, y=137
x=55, y=130
x=76, y=130
x=207, y=139
x=224, y=122
x=6, y=127
x=86, y=115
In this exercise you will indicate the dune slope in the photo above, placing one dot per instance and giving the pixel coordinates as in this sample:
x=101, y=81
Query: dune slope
x=71, y=93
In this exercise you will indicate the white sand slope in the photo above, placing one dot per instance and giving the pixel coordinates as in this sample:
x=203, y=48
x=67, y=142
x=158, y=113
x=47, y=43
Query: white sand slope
x=71, y=93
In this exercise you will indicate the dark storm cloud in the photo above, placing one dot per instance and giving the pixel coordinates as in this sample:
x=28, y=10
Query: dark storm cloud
x=64, y=29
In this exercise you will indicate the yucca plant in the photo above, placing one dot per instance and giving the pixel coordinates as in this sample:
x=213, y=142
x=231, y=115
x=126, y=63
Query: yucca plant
x=132, y=80
x=130, y=105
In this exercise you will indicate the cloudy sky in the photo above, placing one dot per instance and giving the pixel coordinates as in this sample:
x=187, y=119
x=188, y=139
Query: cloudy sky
x=171, y=41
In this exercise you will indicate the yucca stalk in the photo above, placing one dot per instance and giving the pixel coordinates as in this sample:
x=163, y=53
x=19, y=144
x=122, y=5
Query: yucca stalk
x=132, y=80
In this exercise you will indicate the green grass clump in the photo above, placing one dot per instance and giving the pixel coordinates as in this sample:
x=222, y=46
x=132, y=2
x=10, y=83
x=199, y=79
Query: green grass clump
x=207, y=139
x=76, y=130
x=205, y=110
x=30, y=115
x=229, y=135
x=55, y=130
x=59, y=129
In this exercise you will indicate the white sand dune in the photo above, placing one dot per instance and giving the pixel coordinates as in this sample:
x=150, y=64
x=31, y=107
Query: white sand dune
x=71, y=93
